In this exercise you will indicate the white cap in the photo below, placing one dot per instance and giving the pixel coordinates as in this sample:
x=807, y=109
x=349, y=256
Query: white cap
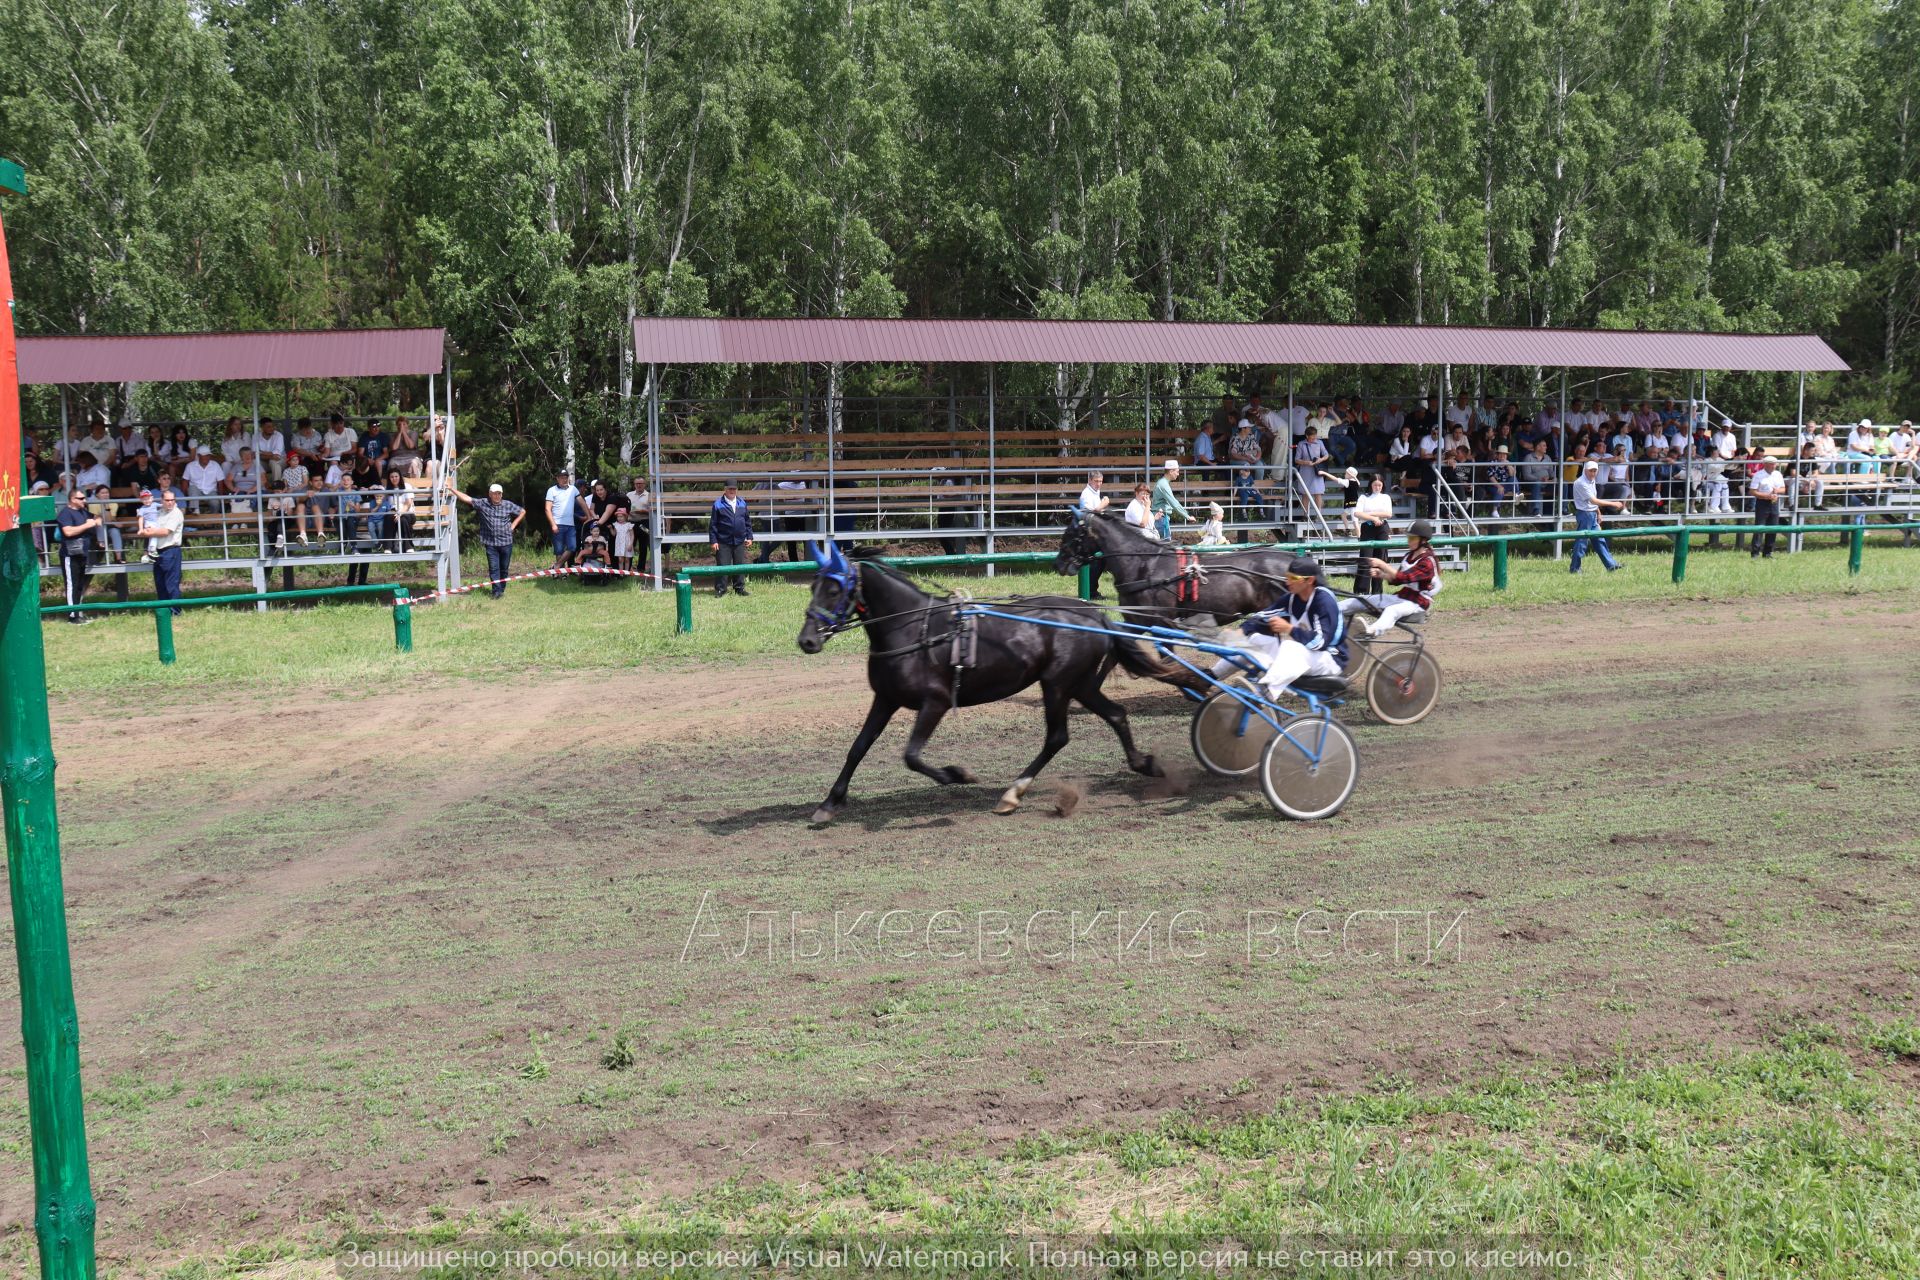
x=1171, y=465
x=1592, y=465
x=495, y=488
x=1866, y=422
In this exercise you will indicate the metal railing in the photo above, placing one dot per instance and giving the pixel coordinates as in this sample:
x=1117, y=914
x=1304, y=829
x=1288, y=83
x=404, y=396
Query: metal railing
x=276, y=528
x=1501, y=544
x=163, y=610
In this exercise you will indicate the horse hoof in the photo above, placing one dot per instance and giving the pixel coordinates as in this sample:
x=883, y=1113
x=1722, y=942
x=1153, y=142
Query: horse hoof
x=823, y=815
x=1006, y=805
x=961, y=774
x=1151, y=768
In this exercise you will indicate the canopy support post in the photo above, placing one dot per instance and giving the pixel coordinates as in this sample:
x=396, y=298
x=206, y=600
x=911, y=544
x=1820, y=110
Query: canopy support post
x=453, y=449
x=259, y=505
x=441, y=531
x=1560, y=485
x=835, y=407
x=656, y=521
x=993, y=467
x=1286, y=450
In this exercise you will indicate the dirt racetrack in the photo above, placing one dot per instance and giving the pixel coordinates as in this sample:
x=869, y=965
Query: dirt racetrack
x=340, y=959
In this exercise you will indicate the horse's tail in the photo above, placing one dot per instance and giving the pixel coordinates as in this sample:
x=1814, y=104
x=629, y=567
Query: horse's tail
x=1142, y=658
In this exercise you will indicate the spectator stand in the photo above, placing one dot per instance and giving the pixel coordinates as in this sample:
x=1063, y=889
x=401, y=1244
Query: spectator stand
x=979, y=467
x=231, y=532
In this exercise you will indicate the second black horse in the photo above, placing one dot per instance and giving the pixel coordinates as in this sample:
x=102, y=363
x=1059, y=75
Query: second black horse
x=1156, y=581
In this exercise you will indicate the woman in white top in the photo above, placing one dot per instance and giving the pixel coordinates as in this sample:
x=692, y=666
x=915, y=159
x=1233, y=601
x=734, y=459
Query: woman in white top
x=1140, y=510
x=1370, y=516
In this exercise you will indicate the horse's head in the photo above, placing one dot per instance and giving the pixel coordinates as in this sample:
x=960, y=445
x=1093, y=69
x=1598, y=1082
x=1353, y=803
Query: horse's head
x=1078, y=546
x=836, y=596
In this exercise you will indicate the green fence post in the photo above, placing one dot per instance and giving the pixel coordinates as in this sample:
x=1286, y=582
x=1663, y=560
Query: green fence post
x=1682, y=541
x=1086, y=581
x=683, y=604
x=63, y=1193
x=403, y=620
x=163, y=632
x=1856, y=549
x=1500, y=565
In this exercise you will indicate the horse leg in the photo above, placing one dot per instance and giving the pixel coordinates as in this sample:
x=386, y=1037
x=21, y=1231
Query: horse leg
x=877, y=716
x=1054, y=697
x=923, y=726
x=1091, y=696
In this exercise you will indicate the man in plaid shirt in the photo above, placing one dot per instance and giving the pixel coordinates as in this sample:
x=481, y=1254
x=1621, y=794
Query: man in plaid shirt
x=498, y=519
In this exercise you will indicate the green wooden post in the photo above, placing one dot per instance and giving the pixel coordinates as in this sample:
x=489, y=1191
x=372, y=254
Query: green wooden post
x=683, y=604
x=1086, y=581
x=1856, y=549
x=163, y=634
x=1500, y=565
x=1682, y=541
x=403, y=620
x=63, y=1194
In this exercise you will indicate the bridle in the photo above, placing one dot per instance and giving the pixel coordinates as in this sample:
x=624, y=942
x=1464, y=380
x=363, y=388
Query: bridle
x=852, y=602
x=1079, y=546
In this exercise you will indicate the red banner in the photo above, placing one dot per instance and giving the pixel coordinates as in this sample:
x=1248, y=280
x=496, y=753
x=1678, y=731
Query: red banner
x=10, y=481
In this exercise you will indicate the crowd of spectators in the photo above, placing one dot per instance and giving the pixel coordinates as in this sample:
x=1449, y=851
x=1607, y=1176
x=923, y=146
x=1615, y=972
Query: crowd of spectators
x=341, y=487
x=1502, y=461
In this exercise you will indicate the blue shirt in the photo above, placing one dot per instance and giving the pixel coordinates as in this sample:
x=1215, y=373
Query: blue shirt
x=1317, y=622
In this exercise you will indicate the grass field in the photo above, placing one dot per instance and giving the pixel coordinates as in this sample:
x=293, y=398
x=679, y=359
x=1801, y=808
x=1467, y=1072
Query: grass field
x=451, y=942
x=349, y=647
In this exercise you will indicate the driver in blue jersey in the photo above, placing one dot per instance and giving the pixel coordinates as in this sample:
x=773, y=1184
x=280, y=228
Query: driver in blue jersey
x=1302, y=634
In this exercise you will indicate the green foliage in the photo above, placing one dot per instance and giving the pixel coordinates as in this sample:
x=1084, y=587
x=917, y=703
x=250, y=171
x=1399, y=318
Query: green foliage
x=535, y=176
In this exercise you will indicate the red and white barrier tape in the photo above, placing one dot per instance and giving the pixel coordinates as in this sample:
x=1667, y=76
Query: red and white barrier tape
x=569, y=571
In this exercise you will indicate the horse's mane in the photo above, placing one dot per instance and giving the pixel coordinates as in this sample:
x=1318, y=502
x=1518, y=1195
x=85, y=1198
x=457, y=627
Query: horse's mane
x=1116, y=520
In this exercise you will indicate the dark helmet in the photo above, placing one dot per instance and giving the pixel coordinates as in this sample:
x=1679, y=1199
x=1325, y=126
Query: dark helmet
x=1304, y=567
x=1421, y=529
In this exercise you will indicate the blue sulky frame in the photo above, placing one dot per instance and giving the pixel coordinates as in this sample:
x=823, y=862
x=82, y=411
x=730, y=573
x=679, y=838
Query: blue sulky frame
x=1168, y=640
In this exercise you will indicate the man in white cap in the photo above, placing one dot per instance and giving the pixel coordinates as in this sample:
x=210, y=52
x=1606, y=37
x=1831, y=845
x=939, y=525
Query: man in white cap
x=1163, y=502
x=204, y=476
x=499, y=519
x=1587, y=504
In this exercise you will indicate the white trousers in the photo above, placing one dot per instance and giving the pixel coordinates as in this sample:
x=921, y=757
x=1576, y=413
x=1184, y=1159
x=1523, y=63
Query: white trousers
x=1391, y=608
x=1717, y=498
x=1284, y=659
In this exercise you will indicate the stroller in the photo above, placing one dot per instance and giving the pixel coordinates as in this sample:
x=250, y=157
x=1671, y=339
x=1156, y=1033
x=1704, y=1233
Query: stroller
x=594, y=556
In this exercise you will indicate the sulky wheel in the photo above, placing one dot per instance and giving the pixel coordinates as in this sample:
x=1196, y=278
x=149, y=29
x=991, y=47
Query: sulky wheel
x=1309, y=771
x=1356, y=652
x=1227, y=737
x=1404, y=686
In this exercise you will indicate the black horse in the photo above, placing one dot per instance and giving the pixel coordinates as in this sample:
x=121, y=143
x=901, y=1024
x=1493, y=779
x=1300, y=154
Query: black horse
x=1151, y=581
x=914, y=641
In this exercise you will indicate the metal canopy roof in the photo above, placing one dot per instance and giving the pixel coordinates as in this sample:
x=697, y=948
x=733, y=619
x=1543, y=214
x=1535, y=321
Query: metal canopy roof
x=700, y=341
x=232, y=357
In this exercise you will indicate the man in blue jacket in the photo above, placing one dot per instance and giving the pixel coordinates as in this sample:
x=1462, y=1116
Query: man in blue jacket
x=1303, y=634
x=729, y=533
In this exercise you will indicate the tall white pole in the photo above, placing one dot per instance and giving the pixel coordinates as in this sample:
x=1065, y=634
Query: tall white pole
x=656, y=520
x=993, y=469
x=442, y=519
x=453, y=450
x=259, y=502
